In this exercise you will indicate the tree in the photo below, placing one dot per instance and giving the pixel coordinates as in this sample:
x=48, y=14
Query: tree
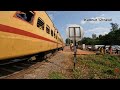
x=71, y=41
x=100, y=36
x=67, y=41
x=94, y=36
x=114, y=26
x=87, y=41
x=112, y=38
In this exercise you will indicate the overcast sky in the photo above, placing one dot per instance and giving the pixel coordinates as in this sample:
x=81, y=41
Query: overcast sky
x=62, y=19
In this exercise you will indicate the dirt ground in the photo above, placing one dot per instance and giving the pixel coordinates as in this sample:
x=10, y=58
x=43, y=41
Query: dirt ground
x=61, y=61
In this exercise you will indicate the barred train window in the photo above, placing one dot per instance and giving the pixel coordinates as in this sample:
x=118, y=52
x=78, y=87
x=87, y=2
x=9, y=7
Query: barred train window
x=48, y=29
x=26, y=15
x=51, y=32
x=40, y=23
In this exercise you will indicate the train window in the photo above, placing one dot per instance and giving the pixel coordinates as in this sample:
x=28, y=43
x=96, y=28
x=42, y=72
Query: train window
x=60, y=40
x=48, y=29
x=54, y=34
x=26, y=15
x=51, y=32
x=40, y=23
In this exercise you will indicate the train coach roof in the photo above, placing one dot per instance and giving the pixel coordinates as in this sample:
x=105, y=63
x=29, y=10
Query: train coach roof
x=50, y=18
x=53, y=24
x=51, y=21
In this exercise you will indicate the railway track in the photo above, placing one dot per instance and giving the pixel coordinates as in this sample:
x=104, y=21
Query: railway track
x=10, y=69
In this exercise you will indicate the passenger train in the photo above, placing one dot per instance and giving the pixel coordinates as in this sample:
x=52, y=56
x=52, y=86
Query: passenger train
x=24, y=33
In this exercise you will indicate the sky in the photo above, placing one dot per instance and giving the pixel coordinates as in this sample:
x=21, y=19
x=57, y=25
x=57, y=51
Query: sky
x=92, y=22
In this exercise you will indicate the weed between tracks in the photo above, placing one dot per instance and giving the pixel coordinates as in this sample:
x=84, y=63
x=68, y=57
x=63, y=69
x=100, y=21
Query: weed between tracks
x=93, y=67
x=56, y=75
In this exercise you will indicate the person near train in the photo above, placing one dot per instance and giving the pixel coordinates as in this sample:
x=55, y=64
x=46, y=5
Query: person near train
x=110, y=49
x=71, y=46
x=104, y=49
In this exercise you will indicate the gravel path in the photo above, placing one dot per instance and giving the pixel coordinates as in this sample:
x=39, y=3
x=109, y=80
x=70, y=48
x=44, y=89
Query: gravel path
x=60, y=62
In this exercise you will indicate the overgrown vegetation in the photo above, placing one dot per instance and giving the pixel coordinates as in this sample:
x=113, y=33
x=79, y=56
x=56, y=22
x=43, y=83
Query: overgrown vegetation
x=93, y=67
x=97, y=67
x=56, y=75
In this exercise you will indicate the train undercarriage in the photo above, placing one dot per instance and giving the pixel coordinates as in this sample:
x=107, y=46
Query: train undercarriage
x=38, y=56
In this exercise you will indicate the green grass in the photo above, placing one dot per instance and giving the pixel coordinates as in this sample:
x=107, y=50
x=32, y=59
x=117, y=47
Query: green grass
x=97, y=67
x=93, y=67
x=56, y=75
